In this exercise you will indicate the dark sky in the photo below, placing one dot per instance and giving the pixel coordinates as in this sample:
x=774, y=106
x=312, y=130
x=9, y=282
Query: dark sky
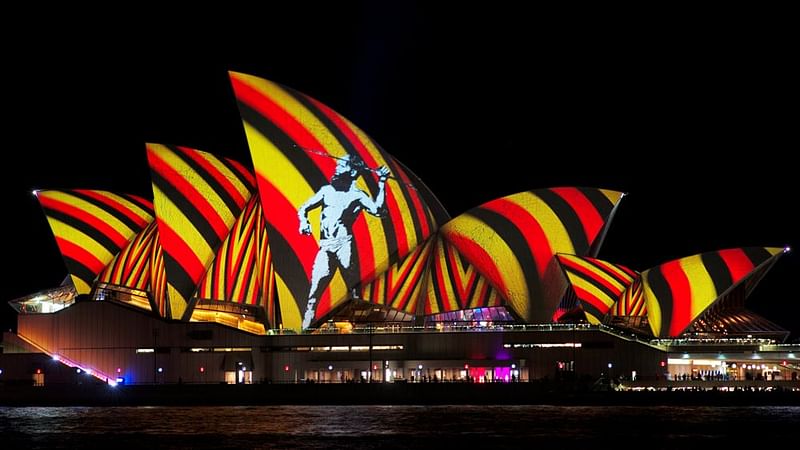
x=692, y=119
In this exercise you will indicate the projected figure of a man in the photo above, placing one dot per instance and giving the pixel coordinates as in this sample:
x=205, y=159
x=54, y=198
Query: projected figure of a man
x=341, y=202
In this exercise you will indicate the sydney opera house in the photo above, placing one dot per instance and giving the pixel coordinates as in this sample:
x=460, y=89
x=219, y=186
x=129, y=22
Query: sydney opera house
x=328, y=260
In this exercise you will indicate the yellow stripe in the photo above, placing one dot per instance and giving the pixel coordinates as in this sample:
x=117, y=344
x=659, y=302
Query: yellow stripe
x=80, y=239
x=591, y=318
x=702, y=286
x=134, y=207
x=612, y=196
x=594, y=270
x=290, y=313
x=182, y=226
x=215, y=161
x=593, y=290
x=271, y=164
x=451, y=298
x=93, y=210
x=653, y=308
x=177, y=304
x=557, y=235
x=774, y=250
x=503, y=257
x=193, y=178
x=80, y=286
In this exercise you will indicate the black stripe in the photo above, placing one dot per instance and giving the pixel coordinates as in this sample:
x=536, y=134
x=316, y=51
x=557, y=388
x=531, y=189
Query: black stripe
x=601, y=203
x=720, y=274
x=246, y=182
x=462, y=302
x=289, y=268
x=757, y=255
x=138, y=202
x=611, y=273
x=212, y=182
x=84, y=227
x=568, y=216
x=109, y=209
x=435, y=207
x=193, y=215
x=76, y=268
x=588, y=308
x=178, y=278
x=300, y=159
x=437, y=288
x=593, y=282
x=660, y=287
x=416, y=214
x=519, y=245
x=372, y=183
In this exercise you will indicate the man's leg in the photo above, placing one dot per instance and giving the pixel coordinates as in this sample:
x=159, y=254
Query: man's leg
x=320, y=274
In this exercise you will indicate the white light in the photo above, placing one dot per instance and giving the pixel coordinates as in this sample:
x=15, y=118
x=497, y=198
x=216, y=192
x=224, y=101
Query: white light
x=78, y=370
x=610, y=365
x=88, y=371
x=419, y=367
x=35, y=192
x=787, y=249
x=112, y=383
x=160, y=369
x=513, y=366
x=330, y=367
x=1, y=371
x=56, y=358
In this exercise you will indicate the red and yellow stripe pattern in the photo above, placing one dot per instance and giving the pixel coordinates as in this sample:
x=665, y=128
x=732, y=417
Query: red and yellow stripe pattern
x=131, y=267
x=294, y=142
x=678, y=292
x=233, y=276
x=197, y=197
x=631, y=302
x=401, y=285
x=91, y=227
x=513, y=241
x=455, y=284
x=597, y=284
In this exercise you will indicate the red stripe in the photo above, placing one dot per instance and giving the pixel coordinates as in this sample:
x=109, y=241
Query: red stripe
x=119, y=207
x=739, y=265
x=421, y=211
x=681, y=297
x=590, y=218
x=283, y=216
x=609, y=269
x=244, y=172
x=478, y=254
x=394, y=209
x=223, y=181
x=265, y=106
x=180, y=252
x=588, y=274
x=192, y=195
x=588, y=297
x=83, y=216
x=80, y=255
x=450, y=253
x=529, y=227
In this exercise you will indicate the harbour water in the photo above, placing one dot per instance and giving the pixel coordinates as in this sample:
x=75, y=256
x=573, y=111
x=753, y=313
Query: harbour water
x=356, y=427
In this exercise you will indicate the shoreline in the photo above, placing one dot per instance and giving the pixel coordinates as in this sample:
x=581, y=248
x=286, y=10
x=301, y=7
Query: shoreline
x=377, y=394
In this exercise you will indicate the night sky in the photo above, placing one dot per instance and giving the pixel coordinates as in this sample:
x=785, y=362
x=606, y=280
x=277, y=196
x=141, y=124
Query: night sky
x=690, y=119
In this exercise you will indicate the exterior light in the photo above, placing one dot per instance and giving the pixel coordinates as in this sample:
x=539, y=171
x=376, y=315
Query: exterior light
x=513, y=366
x=160, y=369
x=35, y=192
x=610, y=365
x=286, y=368
x=56, y=358
x=1, y=371
x=78, y=370
x=119, y=370
x=330, y=366
x=202, y=369
x=38, y=371
x=419, y=367
x=466, y=366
